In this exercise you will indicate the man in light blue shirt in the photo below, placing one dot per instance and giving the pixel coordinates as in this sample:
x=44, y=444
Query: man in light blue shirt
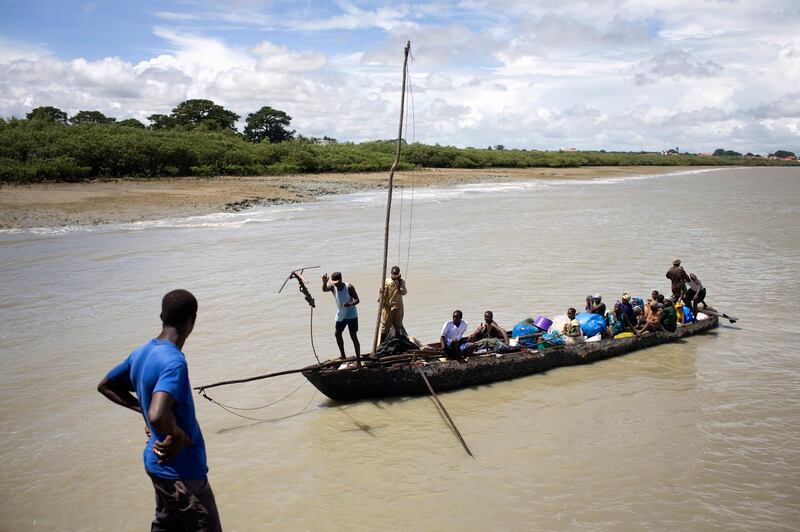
x=346, y=298
x=175, y=454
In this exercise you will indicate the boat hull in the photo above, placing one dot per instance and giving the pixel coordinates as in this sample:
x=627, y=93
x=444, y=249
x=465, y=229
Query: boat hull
x=404, y=380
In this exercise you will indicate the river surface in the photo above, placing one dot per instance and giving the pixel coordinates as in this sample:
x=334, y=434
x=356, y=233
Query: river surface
x=698, y=435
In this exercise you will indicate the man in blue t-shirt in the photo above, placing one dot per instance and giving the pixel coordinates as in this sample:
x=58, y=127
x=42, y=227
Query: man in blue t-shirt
x=175, y=454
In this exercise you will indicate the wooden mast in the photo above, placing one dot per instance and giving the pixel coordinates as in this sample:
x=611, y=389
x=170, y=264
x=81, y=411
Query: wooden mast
x=389, y=200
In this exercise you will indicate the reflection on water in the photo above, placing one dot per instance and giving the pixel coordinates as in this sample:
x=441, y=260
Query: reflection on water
x=693, y=435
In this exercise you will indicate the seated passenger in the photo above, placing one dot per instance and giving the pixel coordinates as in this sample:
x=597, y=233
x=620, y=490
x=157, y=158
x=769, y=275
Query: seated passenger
x=488, y=329
x=627, y=308
x=669, y=317
x=598, y=307
x=639, y=313
x=589, y=303
x=572, y=329
x=617, y=322
x=653, y=297
x=452, y=338
x=652, y=322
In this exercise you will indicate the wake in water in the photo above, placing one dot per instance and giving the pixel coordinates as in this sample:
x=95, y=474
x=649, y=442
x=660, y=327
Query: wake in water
x=273, y=213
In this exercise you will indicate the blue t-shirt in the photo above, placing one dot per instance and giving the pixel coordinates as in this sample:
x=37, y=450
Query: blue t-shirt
x=159, y=366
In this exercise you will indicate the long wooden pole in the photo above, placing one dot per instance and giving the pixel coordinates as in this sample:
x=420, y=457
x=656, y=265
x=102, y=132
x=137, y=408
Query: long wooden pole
x=444, y=411
x=389, y=201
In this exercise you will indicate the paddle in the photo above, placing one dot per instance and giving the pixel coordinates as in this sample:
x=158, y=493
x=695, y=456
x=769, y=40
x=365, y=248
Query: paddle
x=713, y=312
x=444, y=411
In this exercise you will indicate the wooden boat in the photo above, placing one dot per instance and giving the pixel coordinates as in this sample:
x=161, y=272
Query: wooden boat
x=378, y=380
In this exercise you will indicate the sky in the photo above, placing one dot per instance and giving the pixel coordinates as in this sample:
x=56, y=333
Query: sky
x=538, y=74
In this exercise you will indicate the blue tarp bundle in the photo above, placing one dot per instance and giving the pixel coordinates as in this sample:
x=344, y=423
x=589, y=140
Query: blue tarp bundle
x=522, y=329
x=591, y=324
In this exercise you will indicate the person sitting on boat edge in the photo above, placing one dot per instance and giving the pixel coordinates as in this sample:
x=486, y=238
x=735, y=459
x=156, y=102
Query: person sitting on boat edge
x=391, y=300
x=452, y=338
x=695, y=294
x=669, y=317
x=652, y=322
x=640, y=319
x=617, y=322
x=572, y=329
x=488, y=337
x=488, y=329
x=598, y=307
x=678, y=278
x=653, y=298
x=627, y=307
x=346, y=298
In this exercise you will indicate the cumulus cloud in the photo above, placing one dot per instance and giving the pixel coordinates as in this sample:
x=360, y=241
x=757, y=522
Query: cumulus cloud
x=634, y=75
x=674, y=64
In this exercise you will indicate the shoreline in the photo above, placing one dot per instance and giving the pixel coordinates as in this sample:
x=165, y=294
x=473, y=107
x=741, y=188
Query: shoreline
x=134, y=200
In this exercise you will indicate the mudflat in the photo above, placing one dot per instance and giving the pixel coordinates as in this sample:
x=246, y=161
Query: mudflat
x=130, y=200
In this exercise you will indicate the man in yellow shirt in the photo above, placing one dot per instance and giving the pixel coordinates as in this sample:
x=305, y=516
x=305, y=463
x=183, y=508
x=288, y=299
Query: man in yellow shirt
x=392, y=304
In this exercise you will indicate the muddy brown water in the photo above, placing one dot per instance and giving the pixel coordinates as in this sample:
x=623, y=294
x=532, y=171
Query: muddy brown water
x=698, y=435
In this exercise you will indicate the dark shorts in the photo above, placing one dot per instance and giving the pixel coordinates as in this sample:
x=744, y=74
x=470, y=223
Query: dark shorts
x=351, y=323
x=184, y=505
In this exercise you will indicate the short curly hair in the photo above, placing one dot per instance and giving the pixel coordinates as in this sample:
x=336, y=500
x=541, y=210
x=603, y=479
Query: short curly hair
x=178, y=308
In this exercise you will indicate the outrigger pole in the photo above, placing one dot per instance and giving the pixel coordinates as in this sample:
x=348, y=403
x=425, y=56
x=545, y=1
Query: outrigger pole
x=389, y=202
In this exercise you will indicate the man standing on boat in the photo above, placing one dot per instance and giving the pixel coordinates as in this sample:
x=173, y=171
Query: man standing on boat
x=392, y=304
x=346, y=313
x=677, y=276
x=175, y=454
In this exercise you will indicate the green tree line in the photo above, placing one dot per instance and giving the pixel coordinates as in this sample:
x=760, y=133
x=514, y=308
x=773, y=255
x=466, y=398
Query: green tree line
x=199, y=139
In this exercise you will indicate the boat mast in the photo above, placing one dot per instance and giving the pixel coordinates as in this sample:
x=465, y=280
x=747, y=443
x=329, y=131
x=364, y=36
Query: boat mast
x=389, y=200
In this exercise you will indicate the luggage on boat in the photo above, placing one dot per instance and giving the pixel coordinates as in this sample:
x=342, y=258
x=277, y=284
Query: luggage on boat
x=625, y=334
x=550, y=339
x=525, y=328
x=679, y=312
x=688, y=315
x=591, y=324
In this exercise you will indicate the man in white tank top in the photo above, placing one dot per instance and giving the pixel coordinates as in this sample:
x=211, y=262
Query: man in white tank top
x=346, y=298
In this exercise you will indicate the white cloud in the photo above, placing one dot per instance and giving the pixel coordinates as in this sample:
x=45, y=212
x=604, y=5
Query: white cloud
x=629, y=74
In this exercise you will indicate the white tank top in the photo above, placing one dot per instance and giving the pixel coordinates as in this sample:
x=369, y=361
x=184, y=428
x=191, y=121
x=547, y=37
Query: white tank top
x=341, y=297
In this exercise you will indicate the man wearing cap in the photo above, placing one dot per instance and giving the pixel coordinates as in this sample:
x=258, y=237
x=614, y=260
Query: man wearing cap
x=346, y=298
x=392, y=303
x=677, y=275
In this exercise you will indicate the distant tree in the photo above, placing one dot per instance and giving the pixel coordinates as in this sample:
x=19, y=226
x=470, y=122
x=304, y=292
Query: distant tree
x=193, y=113
x=90, y=117
x=49, y=113
x=780, y=154
x=268, y=123
x=131, y=122
x=719, y=152
x=500, y=147
x=160, y=121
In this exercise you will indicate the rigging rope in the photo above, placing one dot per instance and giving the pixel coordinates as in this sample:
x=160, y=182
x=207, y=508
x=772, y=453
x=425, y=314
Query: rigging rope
x=230, y=409
x=413, y=176
x=410, y=92
x=257, y=418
